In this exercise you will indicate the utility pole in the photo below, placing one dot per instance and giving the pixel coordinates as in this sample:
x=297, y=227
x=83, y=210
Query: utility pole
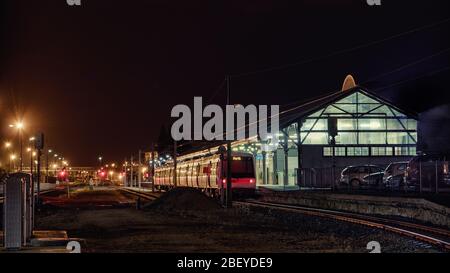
x=38, y=179
x=31, y=163
x=139, y=170
x=175, y=163
x=333, y=132
x=21, y=148
x=131, y=172
x=125, y=165
x=46, y=167
x=229, y=199
x=153, y=167
x=39, y=145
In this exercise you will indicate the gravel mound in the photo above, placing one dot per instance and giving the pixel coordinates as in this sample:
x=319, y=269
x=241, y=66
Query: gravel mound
x=184, y=199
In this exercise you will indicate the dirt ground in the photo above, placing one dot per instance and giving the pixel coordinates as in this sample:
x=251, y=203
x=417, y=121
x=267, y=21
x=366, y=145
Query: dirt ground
x=117, y=227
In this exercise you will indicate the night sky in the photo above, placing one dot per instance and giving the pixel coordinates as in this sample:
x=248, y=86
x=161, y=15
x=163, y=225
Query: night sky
x=102, y=78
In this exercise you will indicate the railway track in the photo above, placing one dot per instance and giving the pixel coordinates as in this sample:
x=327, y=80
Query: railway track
x=145, y=195
x=431, y=235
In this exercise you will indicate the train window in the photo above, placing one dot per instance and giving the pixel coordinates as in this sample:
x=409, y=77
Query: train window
x=213, y=170
x=240, y=168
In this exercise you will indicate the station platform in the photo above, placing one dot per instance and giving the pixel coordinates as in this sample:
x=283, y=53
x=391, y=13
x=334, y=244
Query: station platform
x=413, y=208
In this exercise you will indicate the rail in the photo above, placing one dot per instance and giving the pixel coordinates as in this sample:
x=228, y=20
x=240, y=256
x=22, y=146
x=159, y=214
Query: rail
x=417, y=231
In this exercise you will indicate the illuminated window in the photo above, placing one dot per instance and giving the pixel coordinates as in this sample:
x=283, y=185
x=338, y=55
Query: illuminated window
x=381, y=151
x=401, y=151
x=371, y=124
x=339, y=151
x=401, y=138
x=347, y=138
x=364, y=151
x=314, y=138
x=372, y=138
x=327, y=151
x=347, y=124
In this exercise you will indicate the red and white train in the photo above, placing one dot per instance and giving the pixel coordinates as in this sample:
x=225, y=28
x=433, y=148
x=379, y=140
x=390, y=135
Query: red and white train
x=207, y=171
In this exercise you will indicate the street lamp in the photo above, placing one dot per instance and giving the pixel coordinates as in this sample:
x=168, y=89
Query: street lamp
x=12, y=158
x=8, y=147
x=49, y=151
x=100, y=159
x=31, y=160
x=19, y=126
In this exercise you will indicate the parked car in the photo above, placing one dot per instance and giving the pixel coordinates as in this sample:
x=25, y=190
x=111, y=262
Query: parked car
x=391, y=177
x=374, y=179
x=428, y=171
x=395, y=181
x=354, y=175
x=394, y=175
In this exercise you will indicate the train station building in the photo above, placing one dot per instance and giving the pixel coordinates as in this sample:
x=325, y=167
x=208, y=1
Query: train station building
x=370, y=130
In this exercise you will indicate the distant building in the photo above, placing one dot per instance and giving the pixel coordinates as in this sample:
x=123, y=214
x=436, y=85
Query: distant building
x=370, y=130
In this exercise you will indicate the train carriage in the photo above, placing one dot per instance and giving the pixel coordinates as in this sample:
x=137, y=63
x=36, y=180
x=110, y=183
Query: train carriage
x=207, y=171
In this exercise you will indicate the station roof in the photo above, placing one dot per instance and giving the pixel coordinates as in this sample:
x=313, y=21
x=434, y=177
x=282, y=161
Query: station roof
x=292, y=113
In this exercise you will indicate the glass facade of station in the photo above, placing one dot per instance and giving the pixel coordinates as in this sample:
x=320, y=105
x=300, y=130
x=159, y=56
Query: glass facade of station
x=367, y=127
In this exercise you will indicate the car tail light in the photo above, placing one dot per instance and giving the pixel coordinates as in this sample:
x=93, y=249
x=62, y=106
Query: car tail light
x=224, y=181
x=251, y=181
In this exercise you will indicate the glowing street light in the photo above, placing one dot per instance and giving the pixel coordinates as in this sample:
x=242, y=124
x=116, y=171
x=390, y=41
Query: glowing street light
x=12, y=159
x=19, y=126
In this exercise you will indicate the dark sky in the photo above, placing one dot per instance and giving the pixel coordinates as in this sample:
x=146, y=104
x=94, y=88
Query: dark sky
x=102, y=78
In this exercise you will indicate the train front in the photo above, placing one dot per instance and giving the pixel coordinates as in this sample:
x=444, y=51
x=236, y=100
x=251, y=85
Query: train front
x=243, y=178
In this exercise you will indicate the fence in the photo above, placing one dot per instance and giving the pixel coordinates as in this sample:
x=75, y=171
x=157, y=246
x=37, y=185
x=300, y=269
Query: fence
x=429, y=176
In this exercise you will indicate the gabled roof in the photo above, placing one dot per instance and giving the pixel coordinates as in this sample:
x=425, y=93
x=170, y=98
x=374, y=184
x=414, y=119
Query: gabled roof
x=293, y=113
